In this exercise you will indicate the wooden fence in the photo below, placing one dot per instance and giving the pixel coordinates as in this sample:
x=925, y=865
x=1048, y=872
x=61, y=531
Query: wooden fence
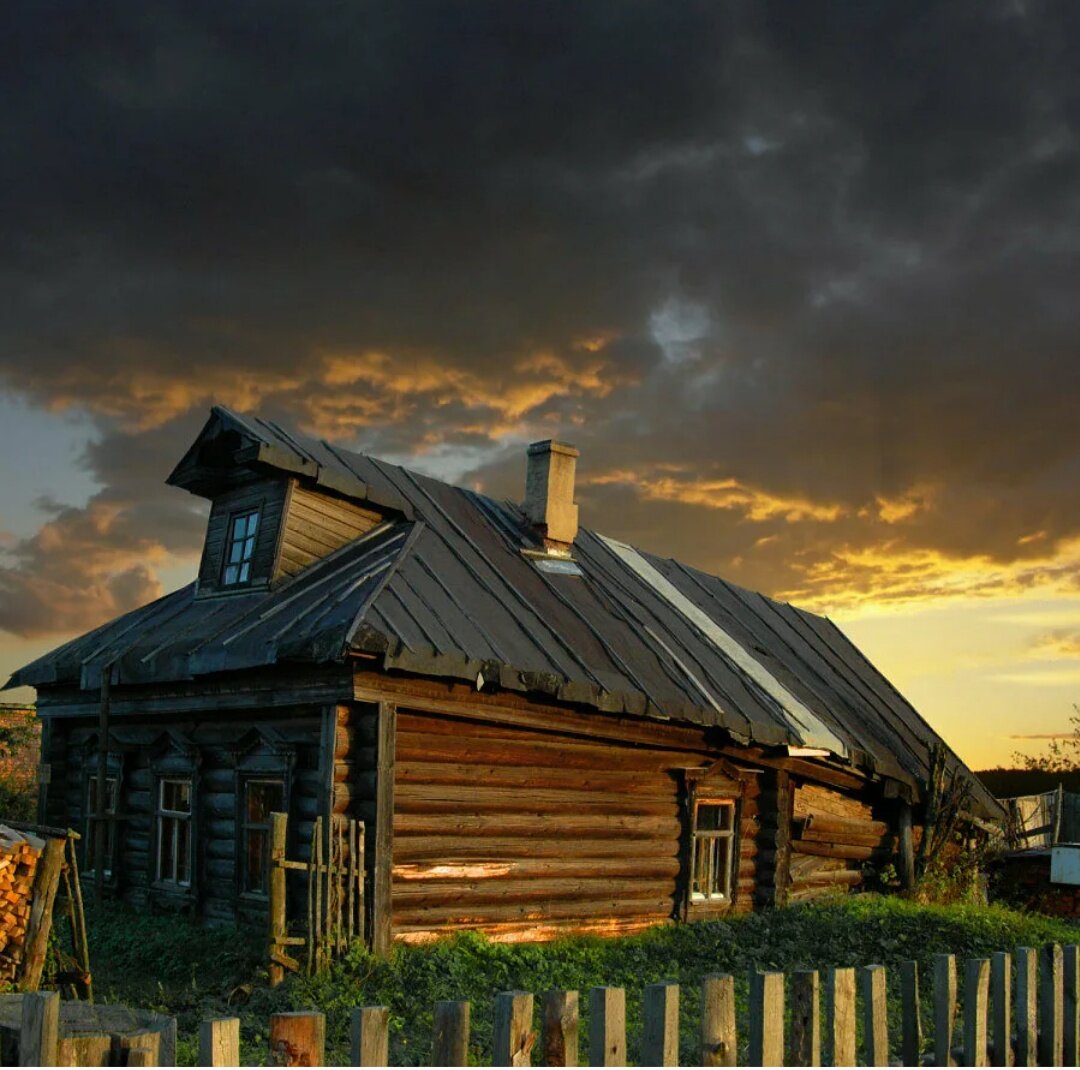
x=1019, y=1009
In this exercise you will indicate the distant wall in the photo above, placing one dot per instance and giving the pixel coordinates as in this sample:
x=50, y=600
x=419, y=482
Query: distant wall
x=20, y=766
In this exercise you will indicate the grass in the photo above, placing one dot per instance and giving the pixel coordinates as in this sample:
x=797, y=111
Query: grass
x=192, y=972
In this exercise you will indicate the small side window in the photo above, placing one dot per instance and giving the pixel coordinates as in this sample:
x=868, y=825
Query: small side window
x=174, y=832
x=713, y=850
x=240, y=549
x=261, y=799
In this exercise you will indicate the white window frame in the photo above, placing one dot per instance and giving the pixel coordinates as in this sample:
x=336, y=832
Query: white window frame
x=242, y=563
x=717, y=841
x=176, y=817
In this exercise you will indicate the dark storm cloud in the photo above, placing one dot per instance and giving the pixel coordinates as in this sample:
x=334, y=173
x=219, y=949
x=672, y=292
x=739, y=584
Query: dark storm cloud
x=824, y=252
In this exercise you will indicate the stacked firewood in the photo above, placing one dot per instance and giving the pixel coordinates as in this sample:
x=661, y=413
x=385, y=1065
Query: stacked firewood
x=19, y=854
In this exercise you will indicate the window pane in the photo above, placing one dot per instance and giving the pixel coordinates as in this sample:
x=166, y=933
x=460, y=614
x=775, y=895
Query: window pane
x=165, y=848
x=176, y=795
x=263, y=798
x=183, y=843
x=244, y=572
x=235, y=552
x=253, y=521
x=249, y=548
x=255, y=862
x=231, y=574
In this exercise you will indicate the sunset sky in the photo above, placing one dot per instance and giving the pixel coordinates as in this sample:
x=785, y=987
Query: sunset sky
x=801, y=281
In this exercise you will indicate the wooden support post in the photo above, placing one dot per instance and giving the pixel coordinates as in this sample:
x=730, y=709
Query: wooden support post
x=371, y=1036
x=382, y=885
x=1001, y=1053
x=805, y=1019
x=660, y=1046
x=718, y=1041
x=911, y=1036
x=144, y=1044
x=875, y=1015
x=1071, y=1003
x=840, y=1015
x=101, y=796
x=298, y=1038
x=767, y=1019
x=785, y=808
x=279, y=830
x=43, y=895
x=1051, y=1006
x=86, y=1049
x=561, y=1021
x=906, y=845
x=450, y=1040
x=944, y=1008
x=1027, y=987
x=219, y=1042
x=976, y=1011
x=513, y=1037
x=607, y=1027
x=39, y=1029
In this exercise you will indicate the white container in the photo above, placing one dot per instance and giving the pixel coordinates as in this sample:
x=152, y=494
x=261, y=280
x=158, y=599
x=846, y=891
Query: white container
x=1065, y=863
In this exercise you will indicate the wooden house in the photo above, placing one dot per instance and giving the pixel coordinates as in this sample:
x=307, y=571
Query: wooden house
x=544, y=730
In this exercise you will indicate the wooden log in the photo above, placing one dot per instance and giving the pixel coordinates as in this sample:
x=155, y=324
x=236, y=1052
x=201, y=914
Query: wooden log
x=1051, y=1006
x=382, y=883
x=414, y=895
x=494, y=845
x=86, y=1049
x=607, y=1027
x=145, y=1044
x=976, y=1012
x=845, y=851
x=1001, y=1049
x=559, y=1031
x=36, y=943
x=805, y=1019
x=660, y=1045
x=1027, y=986
x=911, y=1035
x=875, y=1016
x=39, y=1029
x=513, y=1036
x=277, y=917
x=219, y=1042
x=944, y=1008
x=906, y=845
x=370, y=1036
x=450, y=1039
x=767, y=1019
x=298, y=1038
x=593, y=826
x=825, y=826
x=718, y=1038
x=482, y=797
x=433, y=873
x=840, y=1015
x=1071, y=1004
x=140, y=1056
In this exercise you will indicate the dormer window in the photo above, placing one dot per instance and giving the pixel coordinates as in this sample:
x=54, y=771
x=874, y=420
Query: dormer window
x=240, y=548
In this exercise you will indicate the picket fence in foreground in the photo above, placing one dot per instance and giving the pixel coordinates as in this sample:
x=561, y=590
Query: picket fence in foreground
x=1019, y=1009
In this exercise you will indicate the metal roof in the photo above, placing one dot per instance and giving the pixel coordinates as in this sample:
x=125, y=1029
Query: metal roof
x=445, y=590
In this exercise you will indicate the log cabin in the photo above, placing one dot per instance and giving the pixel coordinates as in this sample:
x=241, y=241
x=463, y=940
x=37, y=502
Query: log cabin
x=543, y=729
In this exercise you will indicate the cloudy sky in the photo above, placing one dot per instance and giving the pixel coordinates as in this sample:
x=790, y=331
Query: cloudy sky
x=800, y=280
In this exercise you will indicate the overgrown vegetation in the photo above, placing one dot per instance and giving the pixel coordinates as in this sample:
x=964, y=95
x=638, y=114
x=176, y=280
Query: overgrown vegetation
x=193, y=972
x=18, y=794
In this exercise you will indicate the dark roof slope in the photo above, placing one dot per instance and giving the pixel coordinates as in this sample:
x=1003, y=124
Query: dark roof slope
x=445, y=590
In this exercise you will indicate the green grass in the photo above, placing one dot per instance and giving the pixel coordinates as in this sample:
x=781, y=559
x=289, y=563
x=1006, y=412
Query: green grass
x=173, y=965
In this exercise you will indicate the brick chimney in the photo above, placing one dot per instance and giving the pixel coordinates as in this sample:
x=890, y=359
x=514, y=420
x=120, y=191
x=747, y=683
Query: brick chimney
x=549, y=493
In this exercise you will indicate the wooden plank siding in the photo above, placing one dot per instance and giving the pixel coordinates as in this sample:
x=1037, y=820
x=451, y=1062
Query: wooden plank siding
x=528, y=834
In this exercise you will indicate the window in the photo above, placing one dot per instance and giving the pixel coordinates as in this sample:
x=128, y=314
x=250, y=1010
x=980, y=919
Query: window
x=261, y=799
x=240, y=549
x=174, y=832
x=112, y=788
x=713, y=850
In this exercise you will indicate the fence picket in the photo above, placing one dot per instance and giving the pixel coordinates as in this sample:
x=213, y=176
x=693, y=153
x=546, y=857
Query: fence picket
x=219, y=1042
x=561, y=1022
x=513, y=1038
x=805, y=1019
x=976, y=1011
x=718, y=1037
x=767, y=1019
x=911, y=1038
x=1001, y=1053
x=39, y=1029
x=660, y=1046
x=370, y=1036
x=450, y=1029
x=1051, y=1006
x=607, y=1027
x=944, y=1008
x=875, y=1015
x=1071, y=1030
x=298, y=1038
x=840, y=1010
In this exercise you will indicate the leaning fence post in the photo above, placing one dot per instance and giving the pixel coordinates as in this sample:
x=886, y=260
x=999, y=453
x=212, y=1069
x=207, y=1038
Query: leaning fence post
x=805, y=1019
x=39, y=1029
x=1027, y=986
x=450, y=1040
x=298, y=1038
x=976, y=1001
x=660, y=1044
x=944, y=1008
x=1051, y=1010
x=370, y=1036
x=840, y=1010
x=279, y=825
x=219, y=1042
x=560, y=1023
x=910, y=1015
x=1001, y=1053
x=718, y=1044
x=767, y=1019
x=607, y=1027
x=513, y=1038
x=875, y=1015
x=1071, y=1037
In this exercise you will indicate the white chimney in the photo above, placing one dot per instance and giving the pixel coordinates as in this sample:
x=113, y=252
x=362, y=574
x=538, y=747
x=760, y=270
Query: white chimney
x=549, y=493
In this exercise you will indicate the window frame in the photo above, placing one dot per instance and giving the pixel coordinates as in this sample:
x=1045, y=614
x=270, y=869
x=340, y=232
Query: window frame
x=112, y=809
x=246, y=560
x=719, y=783
x=699, y=837
x=162, y=814
x=246, y=827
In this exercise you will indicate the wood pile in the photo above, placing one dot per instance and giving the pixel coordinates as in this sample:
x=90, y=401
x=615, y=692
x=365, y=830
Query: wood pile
x=19, y=854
